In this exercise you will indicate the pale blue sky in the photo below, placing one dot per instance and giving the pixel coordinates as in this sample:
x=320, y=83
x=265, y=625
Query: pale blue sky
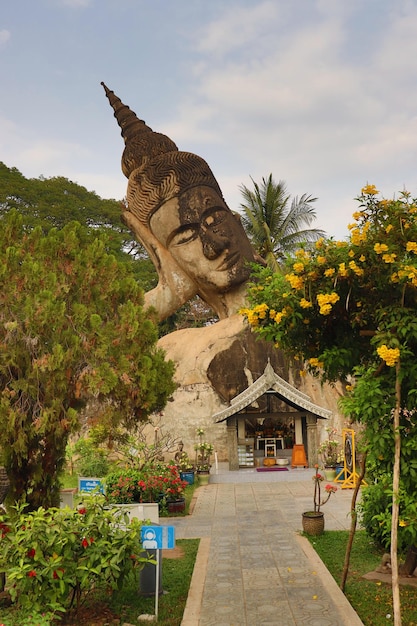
x=322, y=93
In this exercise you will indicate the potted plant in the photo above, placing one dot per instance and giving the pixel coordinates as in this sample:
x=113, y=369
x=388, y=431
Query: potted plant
x=203, y=451
x=329, y=451
x=184, y=464
x=313, y=521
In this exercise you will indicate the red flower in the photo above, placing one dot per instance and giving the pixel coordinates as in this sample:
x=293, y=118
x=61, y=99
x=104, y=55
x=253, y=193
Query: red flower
x=31, y=553
x=4, y=529
x=32, y=573
x=82, y=510
x=84, y=543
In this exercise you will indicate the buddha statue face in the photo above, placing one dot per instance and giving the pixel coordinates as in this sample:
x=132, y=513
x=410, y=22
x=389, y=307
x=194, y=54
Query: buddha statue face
x=205, y=238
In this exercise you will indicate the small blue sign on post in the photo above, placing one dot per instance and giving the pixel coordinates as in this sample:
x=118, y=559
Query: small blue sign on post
x=158, y=537
x=88, y=485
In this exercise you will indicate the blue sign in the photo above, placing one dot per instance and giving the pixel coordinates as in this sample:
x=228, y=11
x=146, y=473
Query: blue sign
x=158, y=537
x=90, y=484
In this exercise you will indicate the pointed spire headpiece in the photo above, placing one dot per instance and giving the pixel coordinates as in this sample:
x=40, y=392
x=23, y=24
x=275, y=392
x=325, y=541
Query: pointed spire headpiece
x=141, y=142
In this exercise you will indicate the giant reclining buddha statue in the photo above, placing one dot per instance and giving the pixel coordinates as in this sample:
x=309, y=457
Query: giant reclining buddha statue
x=176, y=210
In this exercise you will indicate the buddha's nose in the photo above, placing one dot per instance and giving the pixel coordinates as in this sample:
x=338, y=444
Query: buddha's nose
x=214, y=244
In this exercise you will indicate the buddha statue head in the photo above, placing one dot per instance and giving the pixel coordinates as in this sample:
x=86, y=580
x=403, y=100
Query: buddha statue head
x=177, y=211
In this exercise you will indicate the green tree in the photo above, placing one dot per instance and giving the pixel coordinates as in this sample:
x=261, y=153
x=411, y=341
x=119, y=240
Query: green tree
x=72, y=328
x=275, y=226
x=350, y=308
x=54, y=202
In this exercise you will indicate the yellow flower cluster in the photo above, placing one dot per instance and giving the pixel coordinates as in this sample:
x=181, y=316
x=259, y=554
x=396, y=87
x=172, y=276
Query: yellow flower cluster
x=278, y=316
x=408, y=271
x=389, y=258
x=358, y=270
x=321, y=260
x=359, y=235
x=298, y=267
x=296, y=282
x=411, y=247
x=302, y=254
x=261, y=310
x=315, y=362
x=326, y=300
x=305, y=304
x=389, y=355
x=370, y=190
x=342, y=270
x=329, y=272
x=380, y=248
x=253, y=316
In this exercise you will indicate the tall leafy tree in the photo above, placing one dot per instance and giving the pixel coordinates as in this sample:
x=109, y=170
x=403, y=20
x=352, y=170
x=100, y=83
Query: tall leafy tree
x=72, y=327
x=350, y=308
x=275, y=225
x=54, y=202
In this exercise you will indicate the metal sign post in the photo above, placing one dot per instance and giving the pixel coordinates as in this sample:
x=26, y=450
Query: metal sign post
x=157, y=538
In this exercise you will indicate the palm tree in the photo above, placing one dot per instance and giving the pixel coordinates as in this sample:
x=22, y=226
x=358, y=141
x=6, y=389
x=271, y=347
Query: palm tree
x=274, y=226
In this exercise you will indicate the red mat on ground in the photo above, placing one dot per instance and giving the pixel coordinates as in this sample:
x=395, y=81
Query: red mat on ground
x=274, y=468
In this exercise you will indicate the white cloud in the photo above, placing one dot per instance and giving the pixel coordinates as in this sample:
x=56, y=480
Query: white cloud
x=302, y=106
x=236, y=29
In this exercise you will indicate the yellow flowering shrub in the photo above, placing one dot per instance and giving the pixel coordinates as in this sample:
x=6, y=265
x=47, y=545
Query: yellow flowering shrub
x=338, y=288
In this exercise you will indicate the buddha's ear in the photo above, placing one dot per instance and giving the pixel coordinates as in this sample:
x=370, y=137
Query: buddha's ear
x=174, y=287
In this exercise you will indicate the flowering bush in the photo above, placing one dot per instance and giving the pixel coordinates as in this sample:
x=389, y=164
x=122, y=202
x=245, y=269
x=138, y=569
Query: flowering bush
x=330, y=299
x=54, y=557
x=329, y=489
x=329, y=449
x=121, y=486
x=153, y=484
x=203, y=452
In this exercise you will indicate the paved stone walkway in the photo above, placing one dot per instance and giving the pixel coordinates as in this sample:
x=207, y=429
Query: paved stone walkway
x=253, y=567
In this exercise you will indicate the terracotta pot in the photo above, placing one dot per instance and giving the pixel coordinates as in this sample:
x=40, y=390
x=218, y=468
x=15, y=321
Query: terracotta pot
x=313, y=522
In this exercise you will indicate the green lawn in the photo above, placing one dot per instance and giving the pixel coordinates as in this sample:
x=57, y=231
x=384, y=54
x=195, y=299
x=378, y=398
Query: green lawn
x=371, y=600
